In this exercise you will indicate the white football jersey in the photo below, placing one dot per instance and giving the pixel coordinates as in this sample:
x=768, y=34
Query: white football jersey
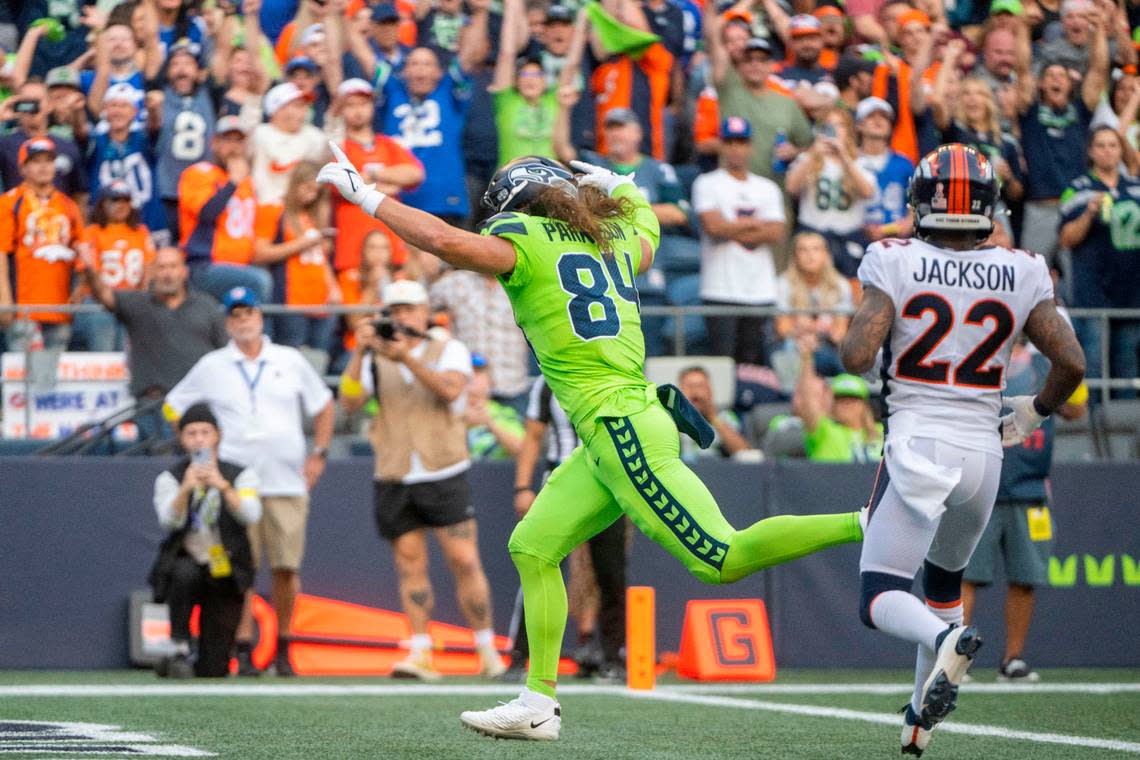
x=957, y=314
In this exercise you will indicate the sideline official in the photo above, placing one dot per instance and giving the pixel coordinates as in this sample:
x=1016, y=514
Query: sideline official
x=257, y=390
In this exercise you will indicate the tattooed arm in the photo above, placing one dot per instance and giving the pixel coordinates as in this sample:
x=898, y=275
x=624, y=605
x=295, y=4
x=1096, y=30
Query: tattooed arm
x=868, y=330
x=1055, y=339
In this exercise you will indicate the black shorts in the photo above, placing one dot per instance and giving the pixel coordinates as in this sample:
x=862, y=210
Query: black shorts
x=401, y=508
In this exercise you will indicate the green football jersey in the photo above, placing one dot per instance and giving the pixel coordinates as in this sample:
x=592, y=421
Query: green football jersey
x=579, y=310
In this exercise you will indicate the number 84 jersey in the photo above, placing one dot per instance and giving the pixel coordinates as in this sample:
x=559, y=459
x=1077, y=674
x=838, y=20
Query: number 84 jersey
x=957, y=314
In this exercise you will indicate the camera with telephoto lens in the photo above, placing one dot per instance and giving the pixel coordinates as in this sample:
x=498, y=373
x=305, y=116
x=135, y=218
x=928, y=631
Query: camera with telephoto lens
x=388, y=328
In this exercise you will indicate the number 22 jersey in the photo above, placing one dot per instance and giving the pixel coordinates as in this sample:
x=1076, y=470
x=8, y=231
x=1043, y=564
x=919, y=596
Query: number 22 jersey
x=957, y=314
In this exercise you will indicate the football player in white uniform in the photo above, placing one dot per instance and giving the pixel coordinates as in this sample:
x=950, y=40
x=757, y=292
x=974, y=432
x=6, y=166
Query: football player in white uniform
x=945, y=308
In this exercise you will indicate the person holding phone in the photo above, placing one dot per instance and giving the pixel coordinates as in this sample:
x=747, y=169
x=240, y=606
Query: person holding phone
x=205, y=505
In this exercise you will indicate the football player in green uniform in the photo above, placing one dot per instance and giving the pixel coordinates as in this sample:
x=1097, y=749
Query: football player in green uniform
x=567, y=248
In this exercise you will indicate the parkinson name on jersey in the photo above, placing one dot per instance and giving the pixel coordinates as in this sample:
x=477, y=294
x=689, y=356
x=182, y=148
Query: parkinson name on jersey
x=967, y=274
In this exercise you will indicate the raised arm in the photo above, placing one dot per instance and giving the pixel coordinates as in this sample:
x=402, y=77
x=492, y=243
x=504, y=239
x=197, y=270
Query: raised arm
x=473, y=41
x=868, y=330
x=508, y=47
x=335, y=33
x=1096, y=78
x=943, y=113
x=564, y=149
x=714, y=44
x=810, y=402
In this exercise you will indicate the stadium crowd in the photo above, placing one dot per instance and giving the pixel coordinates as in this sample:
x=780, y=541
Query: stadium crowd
x=774, y=139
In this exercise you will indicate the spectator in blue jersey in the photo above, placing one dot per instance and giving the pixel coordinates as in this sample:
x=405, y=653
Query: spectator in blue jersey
x=177, y=21
x=1020, y=529
x=888, y=214
x=182, y=114
x=31, y=106
x=374, y=40
x=1099, y=210
x=1054, y=120
x=439, y=26
x=494, y=431
x=425, y=108
x=120, y=150
x=116, y=62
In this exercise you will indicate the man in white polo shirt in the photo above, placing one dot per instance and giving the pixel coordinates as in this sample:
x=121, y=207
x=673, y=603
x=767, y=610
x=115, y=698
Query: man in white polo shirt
x=257, y=391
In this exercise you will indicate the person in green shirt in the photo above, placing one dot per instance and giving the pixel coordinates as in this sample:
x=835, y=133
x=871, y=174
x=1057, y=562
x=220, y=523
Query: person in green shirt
x=567, y=248
x=494, y=431
x=842, y=429
x=524, y=106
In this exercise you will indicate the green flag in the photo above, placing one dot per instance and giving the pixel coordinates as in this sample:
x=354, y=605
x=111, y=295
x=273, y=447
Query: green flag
x=617, y=37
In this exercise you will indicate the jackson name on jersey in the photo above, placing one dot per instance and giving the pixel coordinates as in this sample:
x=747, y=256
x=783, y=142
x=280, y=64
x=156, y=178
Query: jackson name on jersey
x=956, y=316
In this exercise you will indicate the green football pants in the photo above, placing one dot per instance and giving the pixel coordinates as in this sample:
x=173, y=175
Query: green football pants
x=632, y=465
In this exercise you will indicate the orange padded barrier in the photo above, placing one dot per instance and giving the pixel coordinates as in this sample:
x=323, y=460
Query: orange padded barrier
x=726, y=640
x=640, y=637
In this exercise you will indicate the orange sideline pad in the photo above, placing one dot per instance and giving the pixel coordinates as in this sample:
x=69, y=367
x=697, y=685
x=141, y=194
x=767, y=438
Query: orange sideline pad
x=726, y=640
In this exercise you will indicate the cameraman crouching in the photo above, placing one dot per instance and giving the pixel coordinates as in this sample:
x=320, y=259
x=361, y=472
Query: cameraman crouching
x=206, y=505
x=420, y=442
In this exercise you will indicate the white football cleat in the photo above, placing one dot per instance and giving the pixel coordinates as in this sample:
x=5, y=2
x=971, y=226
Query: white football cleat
x=915, y=735
x=954, y=657
x=532, y=716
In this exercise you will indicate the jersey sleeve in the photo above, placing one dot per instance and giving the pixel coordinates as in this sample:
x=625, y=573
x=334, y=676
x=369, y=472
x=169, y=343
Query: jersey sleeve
x=195, y=188
x=7, y=225
x=1042, y=281
x=876, y=269
x=513, y=227
x=1075, y=199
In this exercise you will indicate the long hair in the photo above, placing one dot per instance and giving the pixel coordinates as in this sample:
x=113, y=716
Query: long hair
x=588, y=212
x=829, y=286
x=993, y=113
x=849, y=147
x=100, y=217
x=1127, y=154
x=318, y=211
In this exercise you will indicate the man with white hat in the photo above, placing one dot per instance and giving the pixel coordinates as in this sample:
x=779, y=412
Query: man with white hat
x=284, y=142
x=887, y=214
x=420, y=442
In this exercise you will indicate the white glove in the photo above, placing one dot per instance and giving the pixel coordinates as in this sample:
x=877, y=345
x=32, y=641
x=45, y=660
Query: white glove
x=1021, y=422
x=342, y=175
x=603, y=179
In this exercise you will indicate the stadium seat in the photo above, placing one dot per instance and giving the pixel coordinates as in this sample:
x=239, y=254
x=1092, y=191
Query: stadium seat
x=721, y=369
x=759, y=417
x=785, y=438
x=686, y=291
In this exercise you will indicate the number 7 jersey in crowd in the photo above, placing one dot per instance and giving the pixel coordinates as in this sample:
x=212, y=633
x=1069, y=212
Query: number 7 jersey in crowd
x=579, y=308
x=957, y=314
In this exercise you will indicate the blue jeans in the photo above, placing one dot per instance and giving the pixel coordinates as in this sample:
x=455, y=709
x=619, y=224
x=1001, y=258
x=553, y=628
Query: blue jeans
x=55, y=335
x=219, y=279
x=298, y=330
x=96, y=331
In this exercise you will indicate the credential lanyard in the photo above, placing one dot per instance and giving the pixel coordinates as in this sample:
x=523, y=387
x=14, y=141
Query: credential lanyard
x=251, y=384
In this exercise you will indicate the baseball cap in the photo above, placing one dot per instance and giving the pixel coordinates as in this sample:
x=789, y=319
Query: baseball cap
x=62, y=76
x=559, y=14
x=803, y=24
x=313, y=33
x=849, y=386
x=280, y=96
x=34, y=147
x=827, y=11
x=199, y=412
x=1075, y=6
x=1012, y=7
x=302, y=62
x=736, y=128
x=240, y=296
x=405, y=292
x=384, y=13
x=620, y=116
x=912, y=16
x=848, y=66
x=478, y=361
x=116, y=190
x=228, y=124
x=184, y=45
x=758, y=43
x=868, y=106
x=123, y=92
x=354, y=86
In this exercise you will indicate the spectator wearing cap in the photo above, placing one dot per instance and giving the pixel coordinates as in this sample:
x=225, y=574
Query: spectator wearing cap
x=743, y=90
x=260, y=391
x=67, y=105
x=116, y=62
x=494, y=430
x=177, y=24
x=1080, y=21
x=30, y=104
x=307, y=76
x=888, y=214
x=839, y=425
x=742, y=217
x=379, y=159
x=206, y=504
x=278, y=146
x=525, y=106
x=695, y=383
x=169, y=326
x=853, y=76
x=833, y=190
x=39, y=229
x=120, y=251
x=182, y=117
x=1054, y=119
x=805, y=45
x=236, y=65
x=381, y=42
x=419, y=439
x=218, y=207
x=833, y=30
x=120, y=150
x=903, y=83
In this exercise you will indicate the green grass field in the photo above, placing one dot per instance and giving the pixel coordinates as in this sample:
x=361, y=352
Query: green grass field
x=804, y=714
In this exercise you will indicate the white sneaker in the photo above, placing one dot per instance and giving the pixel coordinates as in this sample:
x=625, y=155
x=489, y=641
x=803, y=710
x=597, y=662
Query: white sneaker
x=490, y=662
x=532, y=716
x=954, y=658
x=416, y=665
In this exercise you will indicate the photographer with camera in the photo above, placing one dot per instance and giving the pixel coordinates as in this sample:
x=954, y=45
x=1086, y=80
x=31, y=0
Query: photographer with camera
x=419, y=437
x=206, y=504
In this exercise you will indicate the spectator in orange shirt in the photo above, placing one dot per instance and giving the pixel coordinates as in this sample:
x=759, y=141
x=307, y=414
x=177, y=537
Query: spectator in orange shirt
x=122, y=250
x=39, y=226
x=217, y=208
x=296, y=251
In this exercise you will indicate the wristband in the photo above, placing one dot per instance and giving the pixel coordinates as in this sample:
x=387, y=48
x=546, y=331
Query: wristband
x=321, y=451
x=520, y=489
x=350, y=387
x=371, y=201
x=1040, y=408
